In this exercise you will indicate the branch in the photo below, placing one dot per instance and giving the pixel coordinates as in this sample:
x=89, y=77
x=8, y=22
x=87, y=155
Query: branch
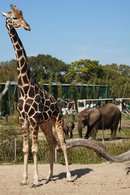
x=5, y=89
x=96, y=147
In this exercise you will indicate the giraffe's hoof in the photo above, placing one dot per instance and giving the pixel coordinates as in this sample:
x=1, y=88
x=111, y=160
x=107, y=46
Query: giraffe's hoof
x=72, y=179
x=36, y=185
x=23, y=183
x=47, y=181
x=69, y=178
x=128, y=170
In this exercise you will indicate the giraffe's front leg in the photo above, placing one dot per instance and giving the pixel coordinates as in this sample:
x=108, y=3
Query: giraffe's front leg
x=25, y=172
x=25, y=132
x=34, y=152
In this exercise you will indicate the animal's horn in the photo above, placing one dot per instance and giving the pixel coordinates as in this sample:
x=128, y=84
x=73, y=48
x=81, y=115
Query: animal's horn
x=4, y=14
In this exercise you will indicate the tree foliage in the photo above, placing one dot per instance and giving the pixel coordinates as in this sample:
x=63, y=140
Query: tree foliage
x=85, y=71
x=118, y=78
x=8, y=71
x=46, y=66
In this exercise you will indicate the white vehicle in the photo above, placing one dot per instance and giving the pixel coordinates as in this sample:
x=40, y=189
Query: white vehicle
x=68, y=107
x=91, y=103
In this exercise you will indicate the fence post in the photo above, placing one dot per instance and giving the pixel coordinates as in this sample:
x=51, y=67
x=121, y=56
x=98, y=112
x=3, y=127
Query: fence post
x=15, y=153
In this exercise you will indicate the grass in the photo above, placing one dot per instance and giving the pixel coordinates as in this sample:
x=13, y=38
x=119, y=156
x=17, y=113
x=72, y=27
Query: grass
x=11, y=130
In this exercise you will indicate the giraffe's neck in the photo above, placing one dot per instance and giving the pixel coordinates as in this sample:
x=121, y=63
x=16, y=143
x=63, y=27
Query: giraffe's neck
x=23, y=73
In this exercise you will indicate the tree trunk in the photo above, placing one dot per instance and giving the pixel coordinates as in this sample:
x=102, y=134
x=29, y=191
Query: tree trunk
x=5, y=89
x=98, y=148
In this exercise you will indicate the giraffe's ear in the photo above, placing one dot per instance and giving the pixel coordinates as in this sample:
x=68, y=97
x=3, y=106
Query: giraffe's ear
x=4, y=14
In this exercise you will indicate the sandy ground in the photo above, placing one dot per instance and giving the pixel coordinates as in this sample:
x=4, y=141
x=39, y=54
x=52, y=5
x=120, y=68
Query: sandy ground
x=93, y=179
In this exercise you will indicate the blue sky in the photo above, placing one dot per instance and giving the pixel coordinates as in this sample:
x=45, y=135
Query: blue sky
x=72, y=30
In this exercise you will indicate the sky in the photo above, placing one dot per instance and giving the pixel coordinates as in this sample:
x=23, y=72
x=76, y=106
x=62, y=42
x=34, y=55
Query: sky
x=71, y=30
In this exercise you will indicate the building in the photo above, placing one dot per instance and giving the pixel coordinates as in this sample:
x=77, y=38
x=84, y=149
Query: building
x=63, y=91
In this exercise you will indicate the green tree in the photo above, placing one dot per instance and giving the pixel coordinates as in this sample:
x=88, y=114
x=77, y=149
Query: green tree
x=83, y=71
x=118, y=79
x=8, y=71
x=45, y=65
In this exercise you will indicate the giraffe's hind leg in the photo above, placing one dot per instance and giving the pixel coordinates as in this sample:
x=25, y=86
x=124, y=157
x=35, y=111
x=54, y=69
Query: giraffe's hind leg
x=60, y=135
x=46, y=127
x=52, y=155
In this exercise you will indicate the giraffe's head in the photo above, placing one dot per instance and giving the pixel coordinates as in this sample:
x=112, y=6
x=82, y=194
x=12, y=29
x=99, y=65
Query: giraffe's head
x=15, y=18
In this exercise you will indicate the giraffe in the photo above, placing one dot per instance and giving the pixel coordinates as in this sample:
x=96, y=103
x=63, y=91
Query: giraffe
x=37, y=108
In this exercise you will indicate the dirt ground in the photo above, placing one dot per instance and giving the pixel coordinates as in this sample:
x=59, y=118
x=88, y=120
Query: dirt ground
x=99, y=179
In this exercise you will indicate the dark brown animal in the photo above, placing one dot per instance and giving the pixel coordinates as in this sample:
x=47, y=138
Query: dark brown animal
x=106, y=117
x=68, y=129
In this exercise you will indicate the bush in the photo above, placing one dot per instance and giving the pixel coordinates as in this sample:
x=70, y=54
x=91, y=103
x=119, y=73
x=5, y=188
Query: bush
x=9, y=136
